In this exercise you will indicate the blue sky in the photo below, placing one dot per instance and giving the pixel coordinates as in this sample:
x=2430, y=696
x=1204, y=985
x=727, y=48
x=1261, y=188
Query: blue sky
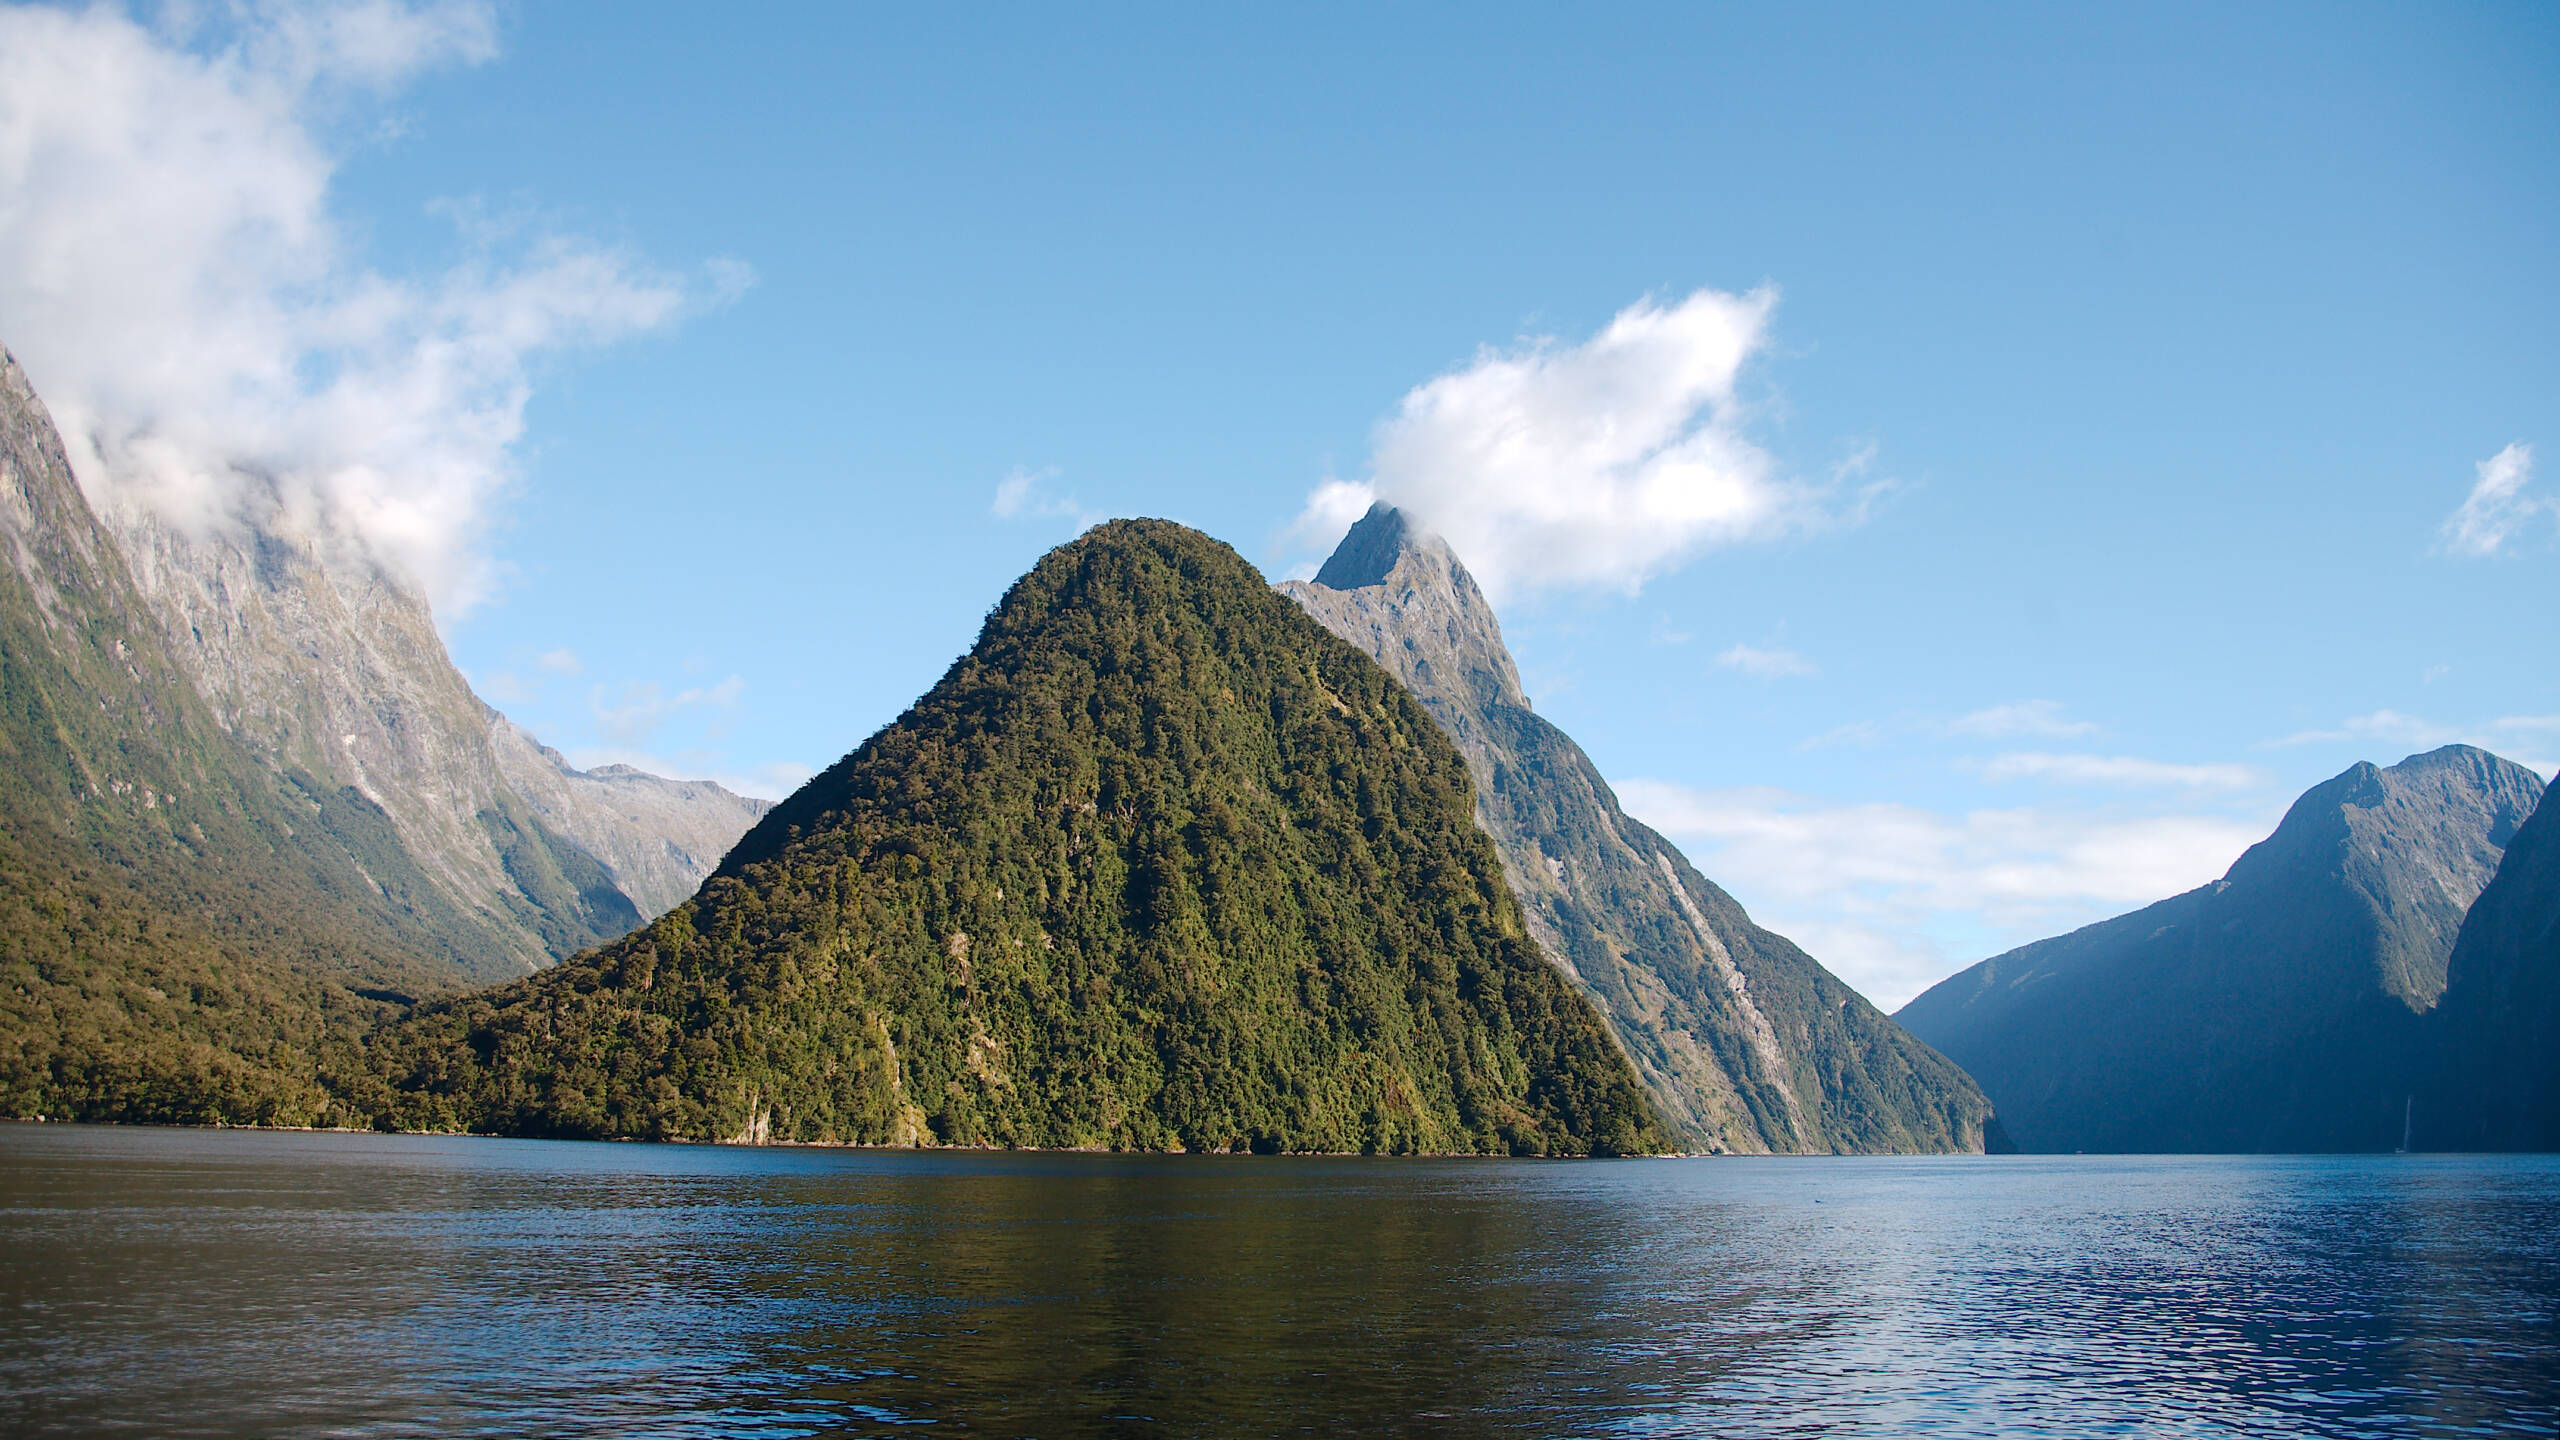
x=2108, y=383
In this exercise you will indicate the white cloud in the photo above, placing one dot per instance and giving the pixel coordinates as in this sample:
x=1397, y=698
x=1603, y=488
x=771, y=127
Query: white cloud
x=1331, y=509
x=2497, y=509
x=1599, y=464
x=2509, y=736
x=2031, y=717
x=1861, y=733
x=2123, y=770
x=2045, y=718
x=2385, y=725
x=563, y=661
x=1767, y=664
x=631, y=715
x=175, y=281
x=1894, y=898
x=1032, y=494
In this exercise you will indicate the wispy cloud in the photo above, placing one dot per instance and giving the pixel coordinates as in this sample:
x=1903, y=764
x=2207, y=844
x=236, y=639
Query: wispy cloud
x=1598, y=464
x=1770, y=664
x=210, y=338
x=1895, y=898
x=2118, y=770
x=2498, y=509
x=1860, y=733
x=563, y=661
x=1026, y=494
x=2517, y=737
x=2039, y=718
x=2029, y=717
x=628, y=715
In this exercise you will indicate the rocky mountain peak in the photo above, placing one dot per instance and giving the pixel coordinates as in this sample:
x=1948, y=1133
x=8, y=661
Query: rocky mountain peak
x=1744, y=1042
x=1397, y=591
x=2418, y=840
x=2274, y=1010
x=1372, y=549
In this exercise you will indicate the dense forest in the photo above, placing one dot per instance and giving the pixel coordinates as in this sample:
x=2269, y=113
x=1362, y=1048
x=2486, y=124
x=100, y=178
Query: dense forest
x=1158, y=864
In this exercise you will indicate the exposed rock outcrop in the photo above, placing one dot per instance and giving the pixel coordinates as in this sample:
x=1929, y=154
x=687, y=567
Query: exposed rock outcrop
x=323, y=663
x=1743, y=1040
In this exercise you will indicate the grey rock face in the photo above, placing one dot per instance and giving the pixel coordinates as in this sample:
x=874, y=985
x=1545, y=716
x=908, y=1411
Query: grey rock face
x=2277, y=1009
x=118, y=786
x=658, y=837
x=1745, y=1043
x=325, y=666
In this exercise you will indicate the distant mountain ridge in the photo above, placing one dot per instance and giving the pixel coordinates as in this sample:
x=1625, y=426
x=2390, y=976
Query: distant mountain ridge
x=1744, y=1041
x=1159, y=864
x=2277, y=1009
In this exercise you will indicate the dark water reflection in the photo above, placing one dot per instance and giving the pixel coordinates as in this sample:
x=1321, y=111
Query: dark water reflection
x=199, y=1284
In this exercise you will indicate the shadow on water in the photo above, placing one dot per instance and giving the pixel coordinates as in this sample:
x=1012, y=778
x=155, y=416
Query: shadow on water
x=234, y=1284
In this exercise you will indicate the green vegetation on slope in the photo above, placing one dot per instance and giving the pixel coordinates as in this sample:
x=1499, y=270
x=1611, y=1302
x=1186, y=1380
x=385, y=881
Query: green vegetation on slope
x=178, y=941
x=114, y=1008
x=1159, y=864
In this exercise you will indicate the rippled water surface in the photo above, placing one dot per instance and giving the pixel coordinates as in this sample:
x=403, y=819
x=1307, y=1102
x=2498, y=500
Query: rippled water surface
x=188, y=1283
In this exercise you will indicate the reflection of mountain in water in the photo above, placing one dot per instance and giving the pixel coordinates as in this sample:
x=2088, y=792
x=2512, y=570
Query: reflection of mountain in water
x=542, y=1288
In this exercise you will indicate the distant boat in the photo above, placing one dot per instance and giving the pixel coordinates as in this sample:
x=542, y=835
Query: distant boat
x=2408, y=1112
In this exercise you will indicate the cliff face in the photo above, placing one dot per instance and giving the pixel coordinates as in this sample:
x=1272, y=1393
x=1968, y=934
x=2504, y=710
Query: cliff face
x=2493, y=1074
x=1159, y=864
x=245, y=790
x=2277, y=1009
x=1744, y=1041
x=323, y=664
x=182, y=928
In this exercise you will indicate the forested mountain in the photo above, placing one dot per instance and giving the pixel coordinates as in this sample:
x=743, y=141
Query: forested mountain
x=242, y=786
x=1159, y=863
x=181, y=927
x=1743, y=1040
x=2281, y=1008
x=2492, y=1080
x=321, y=662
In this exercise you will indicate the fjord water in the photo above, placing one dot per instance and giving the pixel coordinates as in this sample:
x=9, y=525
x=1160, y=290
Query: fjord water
x=191, y=1283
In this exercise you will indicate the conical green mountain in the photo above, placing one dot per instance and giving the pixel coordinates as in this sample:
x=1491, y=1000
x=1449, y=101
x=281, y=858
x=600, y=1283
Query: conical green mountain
x=2283, y=1007
x=1158, y=864
x=1743, y=1040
